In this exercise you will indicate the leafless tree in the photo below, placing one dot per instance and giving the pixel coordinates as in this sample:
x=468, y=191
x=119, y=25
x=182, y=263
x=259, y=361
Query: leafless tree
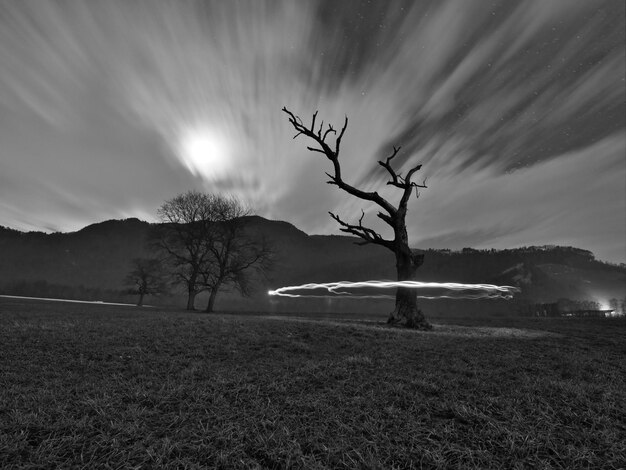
x=185, y=237
x=147, y=277
x=205, y=239
x=237, y=256
x=407, y=261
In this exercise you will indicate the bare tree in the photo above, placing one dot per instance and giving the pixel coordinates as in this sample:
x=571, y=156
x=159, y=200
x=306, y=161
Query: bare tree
x=185, y=236
x=407, y=261
x=237, y=255
x=205, y=240
x=147, y=277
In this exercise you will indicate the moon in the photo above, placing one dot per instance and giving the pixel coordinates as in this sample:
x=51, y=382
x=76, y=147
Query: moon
x=204, y=152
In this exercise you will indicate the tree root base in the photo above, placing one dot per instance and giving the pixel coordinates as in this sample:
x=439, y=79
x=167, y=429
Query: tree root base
x=414, y=320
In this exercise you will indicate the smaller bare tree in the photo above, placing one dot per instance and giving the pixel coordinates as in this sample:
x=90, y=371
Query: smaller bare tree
x=205, y=240
x=238, y=257
x=147, y=277
x=185, y=237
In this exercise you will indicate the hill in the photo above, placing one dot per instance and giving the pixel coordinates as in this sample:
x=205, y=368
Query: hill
x=93, y=262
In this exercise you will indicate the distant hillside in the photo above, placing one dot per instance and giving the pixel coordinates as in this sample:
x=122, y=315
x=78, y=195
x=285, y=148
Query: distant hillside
x=98, y=256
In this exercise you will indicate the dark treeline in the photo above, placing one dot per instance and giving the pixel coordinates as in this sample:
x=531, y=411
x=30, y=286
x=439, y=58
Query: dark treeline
x=487, y=262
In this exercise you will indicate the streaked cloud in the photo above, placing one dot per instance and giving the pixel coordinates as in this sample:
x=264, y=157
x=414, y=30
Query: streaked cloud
x=506, y=105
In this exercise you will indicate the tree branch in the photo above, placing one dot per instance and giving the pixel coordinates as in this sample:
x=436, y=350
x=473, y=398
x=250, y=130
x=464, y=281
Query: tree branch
x=367, y=234
x=401, y=182
x=387, y=166
x=333, y=156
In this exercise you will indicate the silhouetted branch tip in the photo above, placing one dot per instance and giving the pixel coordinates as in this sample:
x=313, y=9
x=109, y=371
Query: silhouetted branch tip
x=328, y=131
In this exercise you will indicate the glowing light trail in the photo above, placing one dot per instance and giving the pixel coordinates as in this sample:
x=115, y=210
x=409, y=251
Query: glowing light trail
x=452, y=290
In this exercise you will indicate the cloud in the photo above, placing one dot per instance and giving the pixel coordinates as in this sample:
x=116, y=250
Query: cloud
x=576, y=199
x=96, y=98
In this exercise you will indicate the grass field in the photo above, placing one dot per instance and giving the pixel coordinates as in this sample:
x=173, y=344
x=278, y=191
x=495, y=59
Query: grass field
x=96, y=386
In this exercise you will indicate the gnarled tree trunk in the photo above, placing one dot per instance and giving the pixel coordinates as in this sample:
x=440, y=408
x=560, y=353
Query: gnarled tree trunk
x=406, y=309
x=407, y=262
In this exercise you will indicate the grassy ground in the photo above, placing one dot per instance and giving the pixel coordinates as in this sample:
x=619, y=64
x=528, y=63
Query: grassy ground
x=94, y=386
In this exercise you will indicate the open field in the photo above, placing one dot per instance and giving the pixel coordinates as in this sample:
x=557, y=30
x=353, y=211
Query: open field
x=97, y=386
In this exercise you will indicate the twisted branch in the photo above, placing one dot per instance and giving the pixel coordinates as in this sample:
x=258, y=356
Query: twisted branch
x=367, y=234
x=393, y=216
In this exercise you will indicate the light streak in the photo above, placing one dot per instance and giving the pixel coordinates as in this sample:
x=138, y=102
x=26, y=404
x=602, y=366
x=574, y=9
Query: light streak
x=451, y=290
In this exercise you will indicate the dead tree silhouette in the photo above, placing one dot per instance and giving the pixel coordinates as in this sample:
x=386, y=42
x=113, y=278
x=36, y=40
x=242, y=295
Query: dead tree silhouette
x=407, y=261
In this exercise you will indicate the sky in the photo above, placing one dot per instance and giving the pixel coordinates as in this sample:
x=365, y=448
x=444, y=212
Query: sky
x=515, y=109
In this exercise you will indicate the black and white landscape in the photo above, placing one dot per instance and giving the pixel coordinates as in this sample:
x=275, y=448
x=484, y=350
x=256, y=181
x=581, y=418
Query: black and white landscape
x=312, y=234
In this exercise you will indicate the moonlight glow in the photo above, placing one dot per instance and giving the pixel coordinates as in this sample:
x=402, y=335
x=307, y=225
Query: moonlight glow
x=204, y=153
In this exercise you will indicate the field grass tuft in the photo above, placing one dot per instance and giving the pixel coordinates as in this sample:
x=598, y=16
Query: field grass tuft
x=94, y=386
